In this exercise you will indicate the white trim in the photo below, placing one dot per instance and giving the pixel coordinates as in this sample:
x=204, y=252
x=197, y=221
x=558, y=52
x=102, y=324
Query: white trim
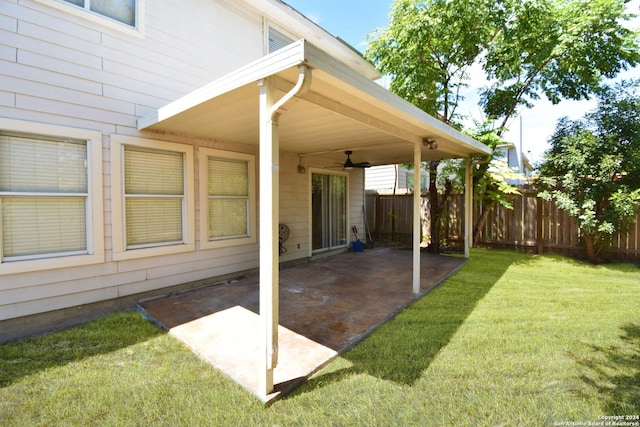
x=417, y=228
x=205, y=243
x=468, y=207
x=102, y=20
x=95, y=216
x=120, y=251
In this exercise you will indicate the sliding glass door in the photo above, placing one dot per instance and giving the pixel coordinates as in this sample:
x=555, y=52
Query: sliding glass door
x=329, y=211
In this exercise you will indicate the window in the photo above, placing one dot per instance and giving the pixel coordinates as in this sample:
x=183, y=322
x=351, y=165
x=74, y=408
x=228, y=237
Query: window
x=227, y=198
x=152, y=197
x=277, y=40
x=50, y=197
x=121, y=15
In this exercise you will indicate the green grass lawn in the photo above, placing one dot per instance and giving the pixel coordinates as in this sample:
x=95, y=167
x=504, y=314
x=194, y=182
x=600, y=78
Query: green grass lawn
x=511, y=339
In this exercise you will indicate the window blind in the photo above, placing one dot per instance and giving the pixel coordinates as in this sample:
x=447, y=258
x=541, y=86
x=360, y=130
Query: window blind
x=228, y=182
x=154, y=196
x=43, y=225
x=28, y=164
x=277, y=40
x=43, y=193
x=228, y=177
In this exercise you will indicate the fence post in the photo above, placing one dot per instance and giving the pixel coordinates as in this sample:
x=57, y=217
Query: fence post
x=539, y=221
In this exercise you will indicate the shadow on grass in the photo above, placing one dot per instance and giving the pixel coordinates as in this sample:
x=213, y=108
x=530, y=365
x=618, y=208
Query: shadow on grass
x=28, y=356
x=403, y=348
x=614, y=372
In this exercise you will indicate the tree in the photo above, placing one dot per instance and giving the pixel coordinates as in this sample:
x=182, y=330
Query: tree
x=427, y=50
x=562, y=49
x=592, y=170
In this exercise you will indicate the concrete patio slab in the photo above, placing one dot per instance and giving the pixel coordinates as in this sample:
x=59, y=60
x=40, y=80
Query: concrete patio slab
x=326, y=306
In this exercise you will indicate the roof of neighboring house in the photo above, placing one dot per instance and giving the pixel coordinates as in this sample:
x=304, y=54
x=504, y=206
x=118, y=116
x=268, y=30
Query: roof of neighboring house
x=342, y=110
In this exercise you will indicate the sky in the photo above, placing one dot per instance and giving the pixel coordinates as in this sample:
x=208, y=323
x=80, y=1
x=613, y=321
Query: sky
x=353, y=20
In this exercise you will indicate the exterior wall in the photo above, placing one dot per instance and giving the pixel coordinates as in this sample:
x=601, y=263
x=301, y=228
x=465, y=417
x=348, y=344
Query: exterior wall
x=382, y=178
x=57, y=68
x=62, y=69
x=356, y=203
x=516, y=160
x=294, y=207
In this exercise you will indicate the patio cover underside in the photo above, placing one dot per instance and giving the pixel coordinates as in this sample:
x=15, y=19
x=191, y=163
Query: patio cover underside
x=342, y=110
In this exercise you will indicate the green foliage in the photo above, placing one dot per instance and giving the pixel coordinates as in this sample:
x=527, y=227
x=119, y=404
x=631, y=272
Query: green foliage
x=592, y=170
x=561, y=49
x=428, y=48
x=490, y=176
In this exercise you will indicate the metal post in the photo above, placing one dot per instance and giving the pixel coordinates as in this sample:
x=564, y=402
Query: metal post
x=468, y=208
x=269, y=274
x=417, y=228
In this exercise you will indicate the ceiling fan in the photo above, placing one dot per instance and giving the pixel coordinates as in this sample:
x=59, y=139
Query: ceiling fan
x=349, y=164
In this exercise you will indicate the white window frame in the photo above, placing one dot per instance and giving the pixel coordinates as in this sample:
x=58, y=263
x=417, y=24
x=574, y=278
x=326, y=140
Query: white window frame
x=95, y=218
x=102, y=20
x=205, y=243
x=120, y=251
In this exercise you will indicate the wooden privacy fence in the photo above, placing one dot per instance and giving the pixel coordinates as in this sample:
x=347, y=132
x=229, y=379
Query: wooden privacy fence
x=533, y=225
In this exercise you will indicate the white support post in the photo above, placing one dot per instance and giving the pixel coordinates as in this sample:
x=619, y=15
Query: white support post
x=269, y=217
x=468, y=208
x=270, y=111
x=417, y=226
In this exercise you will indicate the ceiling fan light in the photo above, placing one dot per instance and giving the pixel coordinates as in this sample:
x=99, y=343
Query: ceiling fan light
x=348, y=165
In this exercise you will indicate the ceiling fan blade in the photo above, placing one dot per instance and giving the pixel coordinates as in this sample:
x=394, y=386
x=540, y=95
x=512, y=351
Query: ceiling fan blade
x=349, y=164
x=362, y=165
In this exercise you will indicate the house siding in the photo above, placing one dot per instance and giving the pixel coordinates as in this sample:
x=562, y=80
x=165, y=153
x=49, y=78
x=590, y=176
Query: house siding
x=382, y=179
x=356, y=203
x=59, y=69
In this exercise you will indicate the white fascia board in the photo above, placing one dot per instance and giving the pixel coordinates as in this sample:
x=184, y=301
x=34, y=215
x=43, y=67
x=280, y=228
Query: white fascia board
x=285, y=58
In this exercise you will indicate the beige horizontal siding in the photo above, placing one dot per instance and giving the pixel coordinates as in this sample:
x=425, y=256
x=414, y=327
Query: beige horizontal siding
x=58, y=68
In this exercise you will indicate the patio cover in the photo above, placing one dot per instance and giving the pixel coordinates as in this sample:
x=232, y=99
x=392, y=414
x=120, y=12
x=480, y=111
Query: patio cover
x=302, y=100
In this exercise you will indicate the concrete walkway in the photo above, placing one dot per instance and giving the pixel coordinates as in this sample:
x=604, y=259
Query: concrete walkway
x=326, y=306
